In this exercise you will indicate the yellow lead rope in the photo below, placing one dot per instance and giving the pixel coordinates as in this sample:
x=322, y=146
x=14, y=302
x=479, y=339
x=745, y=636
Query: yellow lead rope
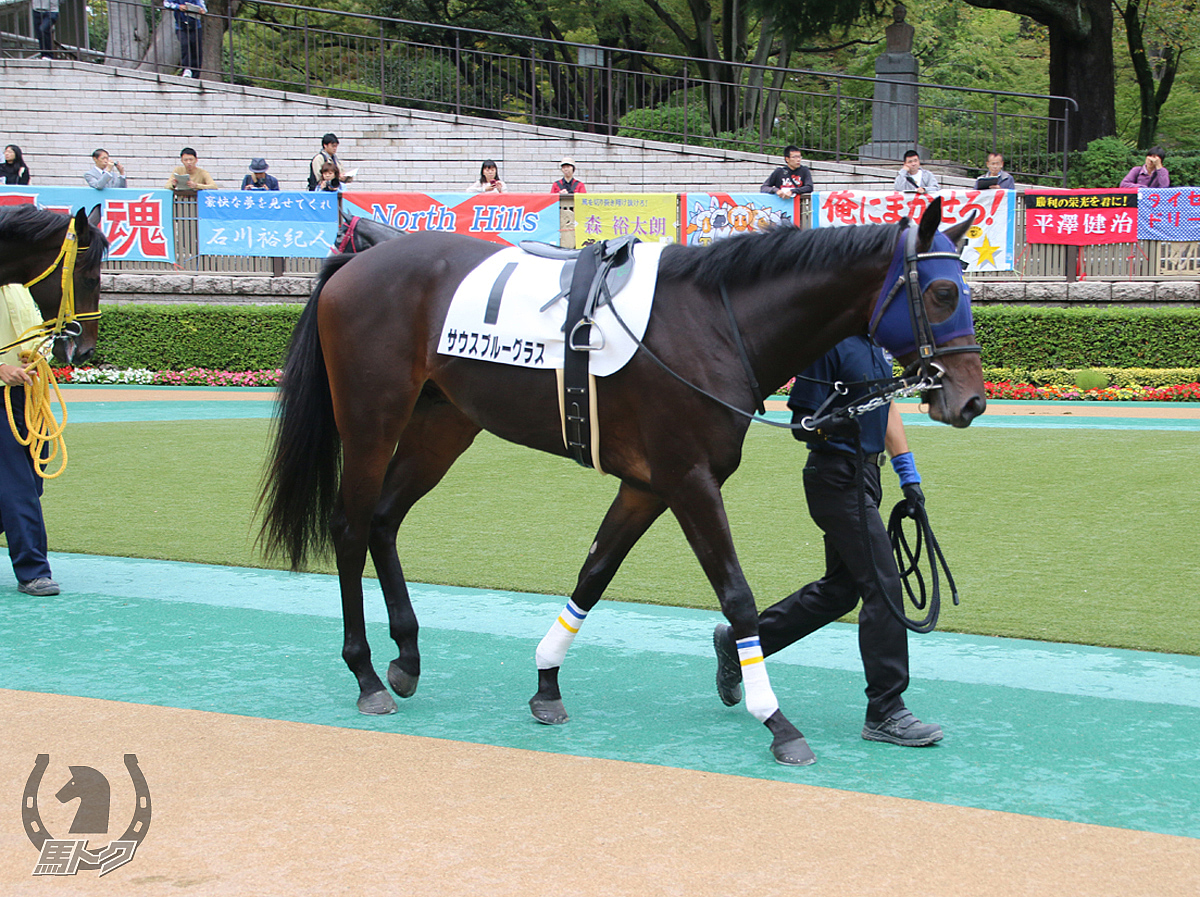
x=42, y=428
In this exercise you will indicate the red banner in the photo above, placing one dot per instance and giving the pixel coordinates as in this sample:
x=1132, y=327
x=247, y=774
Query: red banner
x=499, y=217
x=1081, y=217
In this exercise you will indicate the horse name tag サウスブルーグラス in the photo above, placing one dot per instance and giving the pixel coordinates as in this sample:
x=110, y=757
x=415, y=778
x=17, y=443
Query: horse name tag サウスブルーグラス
x=500, y=314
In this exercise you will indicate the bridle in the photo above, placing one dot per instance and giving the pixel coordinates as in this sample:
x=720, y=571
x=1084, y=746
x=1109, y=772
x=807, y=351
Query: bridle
x=923, y=331
x=65, y=325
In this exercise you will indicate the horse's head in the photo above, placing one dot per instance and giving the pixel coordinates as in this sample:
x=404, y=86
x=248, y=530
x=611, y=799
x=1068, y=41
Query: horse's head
x=79, y=340
x=923, y=317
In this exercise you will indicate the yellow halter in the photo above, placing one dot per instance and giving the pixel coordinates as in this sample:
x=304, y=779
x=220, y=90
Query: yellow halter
x=42, y=427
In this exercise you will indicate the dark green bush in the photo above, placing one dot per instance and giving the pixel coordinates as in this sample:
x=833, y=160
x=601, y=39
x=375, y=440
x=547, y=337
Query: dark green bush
x=175, y=337
x=1105, y=161
x=1033, y=338
x=248, y=338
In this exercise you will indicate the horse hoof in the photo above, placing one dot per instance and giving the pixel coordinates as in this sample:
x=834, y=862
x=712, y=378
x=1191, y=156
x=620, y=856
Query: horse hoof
x=552, y=713
x=795, y=752
x=377, y=703
x=401, y=682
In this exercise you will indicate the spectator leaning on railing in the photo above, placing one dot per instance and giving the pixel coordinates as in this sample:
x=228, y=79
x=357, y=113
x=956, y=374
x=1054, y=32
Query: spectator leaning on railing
x=1149, y=174
x=790, y=179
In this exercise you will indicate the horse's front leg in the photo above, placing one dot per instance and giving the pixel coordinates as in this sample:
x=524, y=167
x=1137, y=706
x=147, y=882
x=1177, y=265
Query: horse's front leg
x=628, y=518
x=700, y=510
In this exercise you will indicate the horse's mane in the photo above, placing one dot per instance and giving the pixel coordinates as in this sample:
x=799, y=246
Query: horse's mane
x=29, y=224
x=765, y=254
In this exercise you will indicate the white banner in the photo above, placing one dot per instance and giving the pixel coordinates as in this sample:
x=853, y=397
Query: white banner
x=990, y=240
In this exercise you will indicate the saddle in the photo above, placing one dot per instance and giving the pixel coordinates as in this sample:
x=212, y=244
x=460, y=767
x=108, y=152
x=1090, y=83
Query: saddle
x=591, y=276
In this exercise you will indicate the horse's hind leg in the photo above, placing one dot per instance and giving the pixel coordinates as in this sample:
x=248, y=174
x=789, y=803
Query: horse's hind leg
x=628, y=518
x=435, y=437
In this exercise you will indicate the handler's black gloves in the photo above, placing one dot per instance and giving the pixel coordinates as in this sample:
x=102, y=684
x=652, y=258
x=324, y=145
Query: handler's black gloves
x=916, y=498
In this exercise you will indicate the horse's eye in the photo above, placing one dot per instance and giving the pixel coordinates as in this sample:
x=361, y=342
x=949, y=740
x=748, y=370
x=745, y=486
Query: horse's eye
x=943, y=299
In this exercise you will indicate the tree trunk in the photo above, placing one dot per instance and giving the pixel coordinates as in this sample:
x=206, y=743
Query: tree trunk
x=1081, y=62
x=161, y=54
x=1151, y=95
x=128, y=34
x=1081, y=67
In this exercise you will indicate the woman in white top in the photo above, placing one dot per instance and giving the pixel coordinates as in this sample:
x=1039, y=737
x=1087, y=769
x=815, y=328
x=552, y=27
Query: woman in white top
x=489, y=179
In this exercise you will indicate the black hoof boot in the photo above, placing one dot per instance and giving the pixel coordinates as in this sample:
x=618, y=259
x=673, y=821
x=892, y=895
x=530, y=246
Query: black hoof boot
x=402, y=683
x=788, y=747
x=547, y=705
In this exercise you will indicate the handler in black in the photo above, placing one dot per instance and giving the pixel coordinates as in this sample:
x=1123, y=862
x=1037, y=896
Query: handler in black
x=833, y=502
x=791, y=179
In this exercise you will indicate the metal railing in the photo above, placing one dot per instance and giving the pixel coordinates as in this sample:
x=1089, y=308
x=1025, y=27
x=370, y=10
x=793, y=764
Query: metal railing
x=607, y=90
x=1146, y=260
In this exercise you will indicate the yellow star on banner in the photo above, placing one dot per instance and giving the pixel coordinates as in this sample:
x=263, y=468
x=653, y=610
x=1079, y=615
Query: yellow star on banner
x=987, y=252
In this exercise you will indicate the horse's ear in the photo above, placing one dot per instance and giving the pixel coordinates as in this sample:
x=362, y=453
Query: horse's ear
x=931, y=219
x=94, y=215
x=81, y=224
x=958, y=231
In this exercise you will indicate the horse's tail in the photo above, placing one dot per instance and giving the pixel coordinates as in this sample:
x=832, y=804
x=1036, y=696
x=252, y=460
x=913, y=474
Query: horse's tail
x=301, y=480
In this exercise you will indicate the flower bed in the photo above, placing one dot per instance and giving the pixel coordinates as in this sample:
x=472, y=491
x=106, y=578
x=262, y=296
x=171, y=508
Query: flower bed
x=1002, y=389
x=189, y=377
x=1188, y=392
x=1006, y=389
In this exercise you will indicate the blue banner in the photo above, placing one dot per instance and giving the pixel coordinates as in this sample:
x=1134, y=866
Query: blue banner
x=280, y=224
x=1171, y=214
x=139, y=224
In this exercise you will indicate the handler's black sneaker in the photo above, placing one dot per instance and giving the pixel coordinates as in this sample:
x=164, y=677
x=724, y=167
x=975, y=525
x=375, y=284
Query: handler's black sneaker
x=904, y=729
x=40, y=587
x=729, y=666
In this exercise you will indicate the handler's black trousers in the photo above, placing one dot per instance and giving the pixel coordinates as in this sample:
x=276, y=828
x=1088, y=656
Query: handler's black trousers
x=832, y=494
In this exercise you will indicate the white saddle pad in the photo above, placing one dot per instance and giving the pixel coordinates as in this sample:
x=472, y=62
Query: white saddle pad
x=496, y=315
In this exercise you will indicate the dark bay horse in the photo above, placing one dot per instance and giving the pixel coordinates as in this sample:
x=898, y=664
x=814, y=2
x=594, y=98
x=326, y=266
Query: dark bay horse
x=371, y=416
x=357, y=233
x=32, y=244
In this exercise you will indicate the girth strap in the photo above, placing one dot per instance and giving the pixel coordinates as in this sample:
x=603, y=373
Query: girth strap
x=577, y=399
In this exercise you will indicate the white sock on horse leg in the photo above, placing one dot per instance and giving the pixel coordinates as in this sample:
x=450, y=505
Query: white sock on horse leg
x=760, y=698
x=553, y=647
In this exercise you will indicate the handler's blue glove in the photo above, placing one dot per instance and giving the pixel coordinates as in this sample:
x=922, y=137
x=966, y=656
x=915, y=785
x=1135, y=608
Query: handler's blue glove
x=906, y=469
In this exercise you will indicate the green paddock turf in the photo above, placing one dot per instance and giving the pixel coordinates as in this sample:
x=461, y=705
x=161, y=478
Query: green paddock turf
x=1083, y=535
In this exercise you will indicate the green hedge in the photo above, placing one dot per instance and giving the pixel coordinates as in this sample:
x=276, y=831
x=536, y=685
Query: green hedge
x=250, y=338
x=1119, y=377
x=1036, y=338
x=176, y=337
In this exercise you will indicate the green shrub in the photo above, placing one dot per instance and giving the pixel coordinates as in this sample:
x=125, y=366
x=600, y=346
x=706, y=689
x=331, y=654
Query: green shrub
x=1105, y=161
x=1034, y=337
x=1091, y=379
x=175, y=337
x=663, y=122
x=1023, y=341
x=1118, y=377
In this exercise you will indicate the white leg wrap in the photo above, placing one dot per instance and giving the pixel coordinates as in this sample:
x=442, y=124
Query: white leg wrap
x=760, y=699
x=553, y=647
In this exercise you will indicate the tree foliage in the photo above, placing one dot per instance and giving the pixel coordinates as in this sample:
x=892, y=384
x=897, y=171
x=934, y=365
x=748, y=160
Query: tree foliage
x=1157, y=35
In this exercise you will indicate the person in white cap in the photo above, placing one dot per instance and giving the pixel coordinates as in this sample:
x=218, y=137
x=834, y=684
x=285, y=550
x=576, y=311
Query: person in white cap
x=568, y=183
x=258, y=179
